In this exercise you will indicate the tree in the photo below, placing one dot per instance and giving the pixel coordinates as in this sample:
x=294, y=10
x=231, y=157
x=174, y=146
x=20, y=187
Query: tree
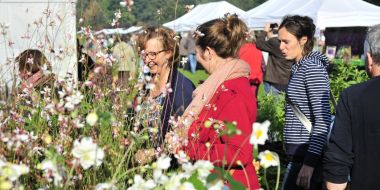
x=99, y=13
x=94, y=15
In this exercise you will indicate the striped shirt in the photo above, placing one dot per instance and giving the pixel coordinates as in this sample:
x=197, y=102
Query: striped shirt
x=309, y=90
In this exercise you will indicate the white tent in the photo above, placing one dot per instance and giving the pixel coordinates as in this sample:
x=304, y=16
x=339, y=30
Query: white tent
x=133, y=29
x=325, y=13
x=111, y=31
x=203, y=13
x=258, y=16
x=46, y=25
x=121, y=31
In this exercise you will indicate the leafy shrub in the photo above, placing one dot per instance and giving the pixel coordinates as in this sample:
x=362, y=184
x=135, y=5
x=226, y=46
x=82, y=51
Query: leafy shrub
x=344, y=75
x=272, y=108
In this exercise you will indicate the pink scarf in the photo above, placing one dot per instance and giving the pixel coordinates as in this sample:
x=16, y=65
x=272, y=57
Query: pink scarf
x=231, y=69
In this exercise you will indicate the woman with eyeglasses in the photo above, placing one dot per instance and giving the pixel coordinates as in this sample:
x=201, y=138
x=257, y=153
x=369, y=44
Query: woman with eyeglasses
x=225, y=97
x=309, y=90
x=171, y=89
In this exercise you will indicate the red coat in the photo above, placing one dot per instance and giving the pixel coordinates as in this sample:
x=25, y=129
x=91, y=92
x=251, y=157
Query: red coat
x=253, y=56
x=232, y=101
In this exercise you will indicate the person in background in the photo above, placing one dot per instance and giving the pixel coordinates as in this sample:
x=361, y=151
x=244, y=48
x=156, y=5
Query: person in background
x=190, y=49
x=277, y=71
x=160, y=53
x=126, y=59
x=226, y=95
x=353, y=148
x=34, y=71
x=309, y=90
x=182, y=50
x=85, y=63
x=250, y=54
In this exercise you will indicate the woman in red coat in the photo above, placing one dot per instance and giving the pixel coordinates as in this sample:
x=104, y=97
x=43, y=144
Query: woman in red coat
x=224, y=96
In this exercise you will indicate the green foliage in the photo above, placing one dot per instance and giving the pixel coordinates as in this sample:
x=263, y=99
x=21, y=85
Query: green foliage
x=344, y=75
x=220, y=173
x=271, y=108
x=196, y=182
x=197, y=77
x=99, y=13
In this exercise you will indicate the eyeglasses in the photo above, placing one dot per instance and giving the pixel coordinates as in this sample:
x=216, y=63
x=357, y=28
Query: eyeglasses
x=151, y=55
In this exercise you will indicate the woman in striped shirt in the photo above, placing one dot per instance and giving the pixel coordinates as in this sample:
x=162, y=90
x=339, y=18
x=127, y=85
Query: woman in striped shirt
x=308, y=90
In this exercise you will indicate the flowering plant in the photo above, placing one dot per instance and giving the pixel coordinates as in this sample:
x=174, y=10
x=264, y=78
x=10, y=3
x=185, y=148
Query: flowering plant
x=97, y=134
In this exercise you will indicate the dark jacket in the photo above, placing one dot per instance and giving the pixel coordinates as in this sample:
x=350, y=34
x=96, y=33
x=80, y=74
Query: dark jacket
x=278, y=68
x=354, y=146
x=177, y=101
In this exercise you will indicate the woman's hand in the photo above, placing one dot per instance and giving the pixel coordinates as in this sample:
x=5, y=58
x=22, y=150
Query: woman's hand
x=267, y=28
x=304, y=176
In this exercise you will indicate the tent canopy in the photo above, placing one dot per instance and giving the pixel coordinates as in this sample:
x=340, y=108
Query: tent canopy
x=203, y=13
x=121, y=31
x=325, y=13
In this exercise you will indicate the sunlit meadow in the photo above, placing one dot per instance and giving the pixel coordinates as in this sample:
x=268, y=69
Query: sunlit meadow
x=97, y=134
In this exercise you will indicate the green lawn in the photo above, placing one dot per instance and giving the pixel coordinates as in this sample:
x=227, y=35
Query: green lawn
x=199, y=75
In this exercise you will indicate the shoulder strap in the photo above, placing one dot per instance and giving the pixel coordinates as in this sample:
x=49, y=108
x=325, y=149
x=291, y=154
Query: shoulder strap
x=302, y=117
x=305, y=122
x=332, y=99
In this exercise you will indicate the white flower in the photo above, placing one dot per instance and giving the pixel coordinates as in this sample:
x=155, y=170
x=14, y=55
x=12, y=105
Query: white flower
x=141, y=184
x=216, y=185
x=188, y=169
x=92, y=118
x=117, y=14
x=78, y=123
x=204, y=168
x=159, y=177
x=105, y=186
x=73, y=100
x=13, y=171
x=259, y=133
x=50, y=168
x=123, y=3
x=173, y=183
x=146, y=69
x=61, y=93
x=45, y=70
x=181, y=157
x=186, y=186
x=184, y=61
x=269, y=158
x=163, y=162
x=87, y=152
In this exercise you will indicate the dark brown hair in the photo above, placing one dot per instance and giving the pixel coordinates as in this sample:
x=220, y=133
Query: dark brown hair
x=39, y=60
x=165, y=35
x=225, y=35
x=300, y=26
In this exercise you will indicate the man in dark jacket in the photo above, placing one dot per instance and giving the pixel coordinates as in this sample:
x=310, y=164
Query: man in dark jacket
x=354, y=148
x=277, y=72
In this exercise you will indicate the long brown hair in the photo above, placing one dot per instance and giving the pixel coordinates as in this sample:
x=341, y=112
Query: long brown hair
x=38, y=57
